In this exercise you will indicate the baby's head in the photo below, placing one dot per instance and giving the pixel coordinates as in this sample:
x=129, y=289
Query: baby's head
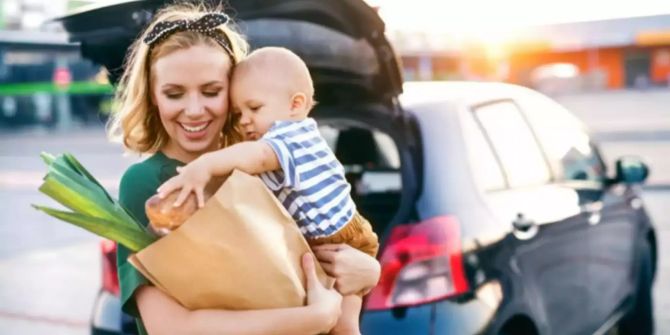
x=271, y=84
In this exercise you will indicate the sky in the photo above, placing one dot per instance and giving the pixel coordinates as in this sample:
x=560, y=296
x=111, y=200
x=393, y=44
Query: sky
x=482, y=17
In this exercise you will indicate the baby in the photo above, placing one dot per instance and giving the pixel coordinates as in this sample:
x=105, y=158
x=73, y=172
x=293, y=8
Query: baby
x=272, y=93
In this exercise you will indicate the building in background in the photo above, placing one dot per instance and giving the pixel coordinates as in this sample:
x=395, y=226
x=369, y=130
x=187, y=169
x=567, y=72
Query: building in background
x=629, y=52
x=30, y=14
x=427, y=56
x=43, y=78
x=607, y=54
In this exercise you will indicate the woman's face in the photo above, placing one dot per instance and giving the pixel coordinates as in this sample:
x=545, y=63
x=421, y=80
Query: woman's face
x=190, y=89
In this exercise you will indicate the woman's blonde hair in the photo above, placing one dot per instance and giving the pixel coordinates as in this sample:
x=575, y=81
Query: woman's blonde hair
x=136, y=121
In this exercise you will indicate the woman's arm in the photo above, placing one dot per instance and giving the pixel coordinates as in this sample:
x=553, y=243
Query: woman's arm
x=162, y=315
x=354, y=270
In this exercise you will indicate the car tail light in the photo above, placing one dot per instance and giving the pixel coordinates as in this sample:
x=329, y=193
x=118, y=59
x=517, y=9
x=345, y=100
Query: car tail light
x=110, y=280
x=421, y=263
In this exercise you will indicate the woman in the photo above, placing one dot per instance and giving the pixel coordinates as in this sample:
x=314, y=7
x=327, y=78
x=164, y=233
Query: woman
x=173, y=102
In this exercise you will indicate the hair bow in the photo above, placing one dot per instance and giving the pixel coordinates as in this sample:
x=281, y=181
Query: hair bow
x=206, y=24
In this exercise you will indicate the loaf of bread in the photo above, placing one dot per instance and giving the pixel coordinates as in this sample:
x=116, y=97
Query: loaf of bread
x=163, y=214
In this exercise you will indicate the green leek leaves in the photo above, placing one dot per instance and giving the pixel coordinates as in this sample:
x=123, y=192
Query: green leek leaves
x=93, y=209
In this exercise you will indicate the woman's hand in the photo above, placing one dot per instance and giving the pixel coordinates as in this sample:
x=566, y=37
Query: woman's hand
x=353, y=270
x=325, y=303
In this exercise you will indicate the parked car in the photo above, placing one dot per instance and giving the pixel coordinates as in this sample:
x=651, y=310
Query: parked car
x=496, y=212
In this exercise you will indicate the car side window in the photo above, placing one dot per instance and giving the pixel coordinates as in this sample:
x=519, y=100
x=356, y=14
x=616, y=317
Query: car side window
x=564, y=138
x=365, y=148
x=485, y=167
x=514, y=143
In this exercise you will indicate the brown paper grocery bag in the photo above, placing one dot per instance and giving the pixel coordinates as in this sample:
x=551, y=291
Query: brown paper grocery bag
x=241, y=251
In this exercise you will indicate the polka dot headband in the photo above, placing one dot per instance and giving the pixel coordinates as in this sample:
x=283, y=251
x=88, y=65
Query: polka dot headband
x=207, y=25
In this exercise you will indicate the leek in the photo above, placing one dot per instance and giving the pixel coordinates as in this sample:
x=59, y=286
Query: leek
x=92, y=208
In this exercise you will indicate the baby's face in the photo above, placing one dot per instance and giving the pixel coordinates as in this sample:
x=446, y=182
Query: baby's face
x=259, y=102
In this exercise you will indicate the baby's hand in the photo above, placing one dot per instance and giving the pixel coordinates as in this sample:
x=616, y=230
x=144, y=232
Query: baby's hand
x=191, y=178
x=164, y=217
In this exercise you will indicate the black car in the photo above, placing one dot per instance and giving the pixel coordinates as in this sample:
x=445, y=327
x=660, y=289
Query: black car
x=494, y=207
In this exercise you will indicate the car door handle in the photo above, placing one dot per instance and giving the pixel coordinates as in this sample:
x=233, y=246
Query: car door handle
x=522, y=223
x=594, y=217
x=524, y=228
x=594, y=213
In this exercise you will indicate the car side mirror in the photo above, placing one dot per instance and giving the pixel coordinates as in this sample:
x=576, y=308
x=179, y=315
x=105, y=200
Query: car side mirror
x=631, y=170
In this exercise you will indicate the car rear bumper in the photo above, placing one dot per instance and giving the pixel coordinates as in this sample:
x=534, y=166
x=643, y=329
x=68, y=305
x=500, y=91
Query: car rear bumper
x=411, y=320
x=106, y=318
x=474, y=315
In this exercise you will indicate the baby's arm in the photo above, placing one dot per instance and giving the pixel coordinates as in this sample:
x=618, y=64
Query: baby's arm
x=250, y=157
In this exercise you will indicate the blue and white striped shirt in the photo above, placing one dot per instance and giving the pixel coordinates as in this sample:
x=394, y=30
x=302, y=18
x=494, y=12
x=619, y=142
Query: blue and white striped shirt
x=311, y=183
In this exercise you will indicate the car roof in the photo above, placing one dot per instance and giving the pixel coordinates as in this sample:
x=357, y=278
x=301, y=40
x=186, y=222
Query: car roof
x=423, y=93
x=422, y=98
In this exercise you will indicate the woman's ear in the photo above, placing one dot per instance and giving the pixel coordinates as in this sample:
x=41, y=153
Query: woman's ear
x=298, y=104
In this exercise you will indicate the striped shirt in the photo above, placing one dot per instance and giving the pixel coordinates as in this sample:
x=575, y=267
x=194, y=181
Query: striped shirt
x=311, y=183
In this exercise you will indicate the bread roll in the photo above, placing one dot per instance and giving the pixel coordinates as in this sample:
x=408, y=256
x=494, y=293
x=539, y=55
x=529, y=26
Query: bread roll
x=163, y=214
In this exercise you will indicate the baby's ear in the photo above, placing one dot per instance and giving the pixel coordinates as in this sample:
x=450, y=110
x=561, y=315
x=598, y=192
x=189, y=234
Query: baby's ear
x=298, y=103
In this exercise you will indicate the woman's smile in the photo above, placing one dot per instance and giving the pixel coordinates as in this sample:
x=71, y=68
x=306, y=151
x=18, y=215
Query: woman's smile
x=193, y=130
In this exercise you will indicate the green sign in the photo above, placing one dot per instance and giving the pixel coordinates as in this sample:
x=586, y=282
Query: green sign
x=77, y=87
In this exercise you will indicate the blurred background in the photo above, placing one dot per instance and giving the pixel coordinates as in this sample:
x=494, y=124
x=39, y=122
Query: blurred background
x=608, y=62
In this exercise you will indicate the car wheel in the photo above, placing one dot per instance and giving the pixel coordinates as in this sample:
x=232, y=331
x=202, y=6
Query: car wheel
x=640, y=319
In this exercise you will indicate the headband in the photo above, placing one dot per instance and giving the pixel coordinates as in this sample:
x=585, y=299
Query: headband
x=207, y=25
